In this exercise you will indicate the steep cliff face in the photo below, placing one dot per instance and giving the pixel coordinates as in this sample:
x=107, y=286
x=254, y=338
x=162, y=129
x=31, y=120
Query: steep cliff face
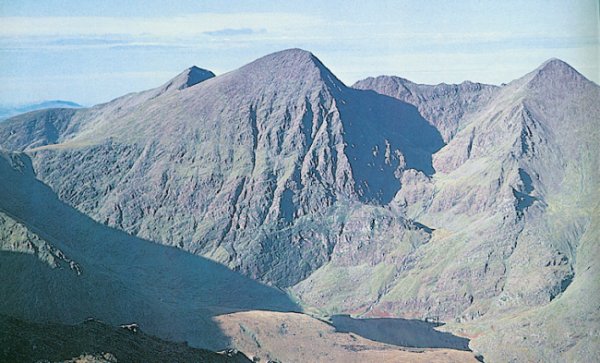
x=512, y=198
x=255, y=168
x=446, y=106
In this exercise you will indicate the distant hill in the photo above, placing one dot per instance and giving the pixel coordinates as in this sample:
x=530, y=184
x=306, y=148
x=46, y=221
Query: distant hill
x=7, y=111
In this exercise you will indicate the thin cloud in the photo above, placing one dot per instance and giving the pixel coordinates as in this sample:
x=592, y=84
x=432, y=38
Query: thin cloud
x=228, y=32
x=177, y=26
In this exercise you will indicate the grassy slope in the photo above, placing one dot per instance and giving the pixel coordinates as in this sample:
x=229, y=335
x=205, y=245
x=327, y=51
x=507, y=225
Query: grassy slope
x=290, y=337
x=566, y=329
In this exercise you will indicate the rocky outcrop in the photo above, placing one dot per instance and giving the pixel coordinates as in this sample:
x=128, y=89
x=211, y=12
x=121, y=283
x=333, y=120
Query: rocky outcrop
x=446, y=106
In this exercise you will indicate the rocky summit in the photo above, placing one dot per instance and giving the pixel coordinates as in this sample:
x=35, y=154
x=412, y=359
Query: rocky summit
x=471, y=204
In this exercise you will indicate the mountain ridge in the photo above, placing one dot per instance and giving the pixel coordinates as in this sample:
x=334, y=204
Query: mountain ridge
x=443, y=105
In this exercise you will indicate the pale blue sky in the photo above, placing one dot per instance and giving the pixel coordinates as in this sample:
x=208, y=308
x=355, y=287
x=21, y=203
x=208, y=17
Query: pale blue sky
x=93, y=51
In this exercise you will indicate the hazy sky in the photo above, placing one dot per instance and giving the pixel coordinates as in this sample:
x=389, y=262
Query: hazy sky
x=93, y=51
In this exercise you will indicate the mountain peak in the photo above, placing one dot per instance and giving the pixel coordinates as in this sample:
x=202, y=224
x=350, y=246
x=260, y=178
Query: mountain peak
x=292, y=54
x=196, y=75
x=291, y=62
x=555, y=66
x=290, y=69
x=188, y=78
x=554, y=70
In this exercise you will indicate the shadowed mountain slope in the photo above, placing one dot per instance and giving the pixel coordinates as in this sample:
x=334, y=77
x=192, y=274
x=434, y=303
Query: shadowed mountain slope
x=446, y=106
x=74, y=268
x=32, y=342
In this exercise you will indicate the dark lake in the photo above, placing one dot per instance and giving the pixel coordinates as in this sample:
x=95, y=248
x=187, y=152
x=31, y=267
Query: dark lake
x=402, y=332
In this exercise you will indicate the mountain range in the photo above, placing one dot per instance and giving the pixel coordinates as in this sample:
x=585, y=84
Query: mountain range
x=474, y=205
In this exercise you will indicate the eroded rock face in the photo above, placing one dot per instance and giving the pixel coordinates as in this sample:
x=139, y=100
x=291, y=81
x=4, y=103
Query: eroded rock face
x=446, y=106
x=242, y=166
x=448, y=202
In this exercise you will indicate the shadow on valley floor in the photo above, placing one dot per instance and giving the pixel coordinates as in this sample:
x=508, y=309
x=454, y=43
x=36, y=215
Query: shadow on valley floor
x=120, y=278
x=402, y=332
